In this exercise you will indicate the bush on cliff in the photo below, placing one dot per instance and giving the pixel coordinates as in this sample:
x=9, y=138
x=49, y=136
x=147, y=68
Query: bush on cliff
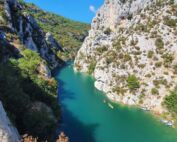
x=20, y=88
x=133, y=82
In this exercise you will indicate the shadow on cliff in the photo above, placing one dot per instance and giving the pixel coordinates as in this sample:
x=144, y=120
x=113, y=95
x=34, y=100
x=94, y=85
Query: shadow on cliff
x=76, y=130
x=17, y=93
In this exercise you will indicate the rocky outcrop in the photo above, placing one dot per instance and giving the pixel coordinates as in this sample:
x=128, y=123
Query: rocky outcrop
x=52, y=42
x=113, y=11
x=62, y=138
x=132, y=39
x=44, y=71
x=8, y=132
x=31, y=34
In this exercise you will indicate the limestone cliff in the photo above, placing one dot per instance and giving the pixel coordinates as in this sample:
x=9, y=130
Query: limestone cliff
x=8, y=132
x=30, y=33
x=131, y=51
x=19, y=30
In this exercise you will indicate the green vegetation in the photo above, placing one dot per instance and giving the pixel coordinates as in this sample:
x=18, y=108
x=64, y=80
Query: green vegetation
x=160, y=81
x=150, y=54
x=119, y=90
x=168, y=59
x=130, y=16
x=155, y=91
x=127, y=57
x=133, y=82
x=3, y=17
x=175, y=68
x=140, y=27
x=20, y=87
x=159, y=43
x=28, y=96
x=102, y=49
x=91, y=67
x=158, y=64
x=170, y=22
x=171, y=102
x=70, y=34
x=117, y=44
x=29, y=64
x=141, y=98
x=110, y=57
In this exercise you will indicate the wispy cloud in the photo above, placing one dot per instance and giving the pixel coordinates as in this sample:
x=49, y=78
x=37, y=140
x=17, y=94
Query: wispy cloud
x=92, y=8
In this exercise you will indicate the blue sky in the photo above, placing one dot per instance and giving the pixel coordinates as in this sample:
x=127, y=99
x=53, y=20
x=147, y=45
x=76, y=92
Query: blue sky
x=79, y=10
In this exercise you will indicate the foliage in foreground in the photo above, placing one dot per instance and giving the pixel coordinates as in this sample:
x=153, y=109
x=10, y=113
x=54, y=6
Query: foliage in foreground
x=20, y=87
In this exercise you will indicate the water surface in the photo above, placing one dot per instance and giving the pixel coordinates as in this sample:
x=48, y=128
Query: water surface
x=86, y=118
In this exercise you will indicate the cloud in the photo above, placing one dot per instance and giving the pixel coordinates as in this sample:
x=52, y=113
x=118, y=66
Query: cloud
x=92, y=8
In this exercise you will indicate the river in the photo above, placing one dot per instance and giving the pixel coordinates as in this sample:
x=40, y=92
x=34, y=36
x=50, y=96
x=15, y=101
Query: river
x=87, y=117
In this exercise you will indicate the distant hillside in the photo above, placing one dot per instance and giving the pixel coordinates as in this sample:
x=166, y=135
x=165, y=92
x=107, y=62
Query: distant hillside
x=70, y=34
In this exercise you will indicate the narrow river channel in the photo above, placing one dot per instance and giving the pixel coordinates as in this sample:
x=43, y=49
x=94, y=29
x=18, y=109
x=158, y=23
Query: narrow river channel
x=87, y=117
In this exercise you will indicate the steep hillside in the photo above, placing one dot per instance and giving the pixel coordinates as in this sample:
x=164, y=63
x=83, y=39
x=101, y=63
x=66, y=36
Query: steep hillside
x=29, y=50
x=70, y=33
x=131, y=50
x=27, y=90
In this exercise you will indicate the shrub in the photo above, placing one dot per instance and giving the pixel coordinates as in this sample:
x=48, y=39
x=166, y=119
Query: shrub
x=150, y=54
x=155, y=91
x=91, y=67
x=170, y=22
x=133, y=42
x=158, y=64
x=160, y=81
x=159, y=43
x=175, y=69
x=130, y=16
x=117, y=45
x=29, y=62
x=133, y=82
x=45, y=125
x=101, y=49
x=172, y=2
x=19, y=92
x=70, y=33
x=171, y=102
x=168, y=59
x=141, y=65
x=127, y=57
x=119, y=90
x=141, y=98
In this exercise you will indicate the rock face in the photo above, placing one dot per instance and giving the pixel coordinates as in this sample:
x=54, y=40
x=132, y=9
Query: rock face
x=31, y=34
x=8, y=132
x=133, y=39
x=44, y=71
x=19, y=30
x=52, y=42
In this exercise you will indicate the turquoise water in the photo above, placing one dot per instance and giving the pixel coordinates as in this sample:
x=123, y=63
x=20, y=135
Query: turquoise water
x=86, y=118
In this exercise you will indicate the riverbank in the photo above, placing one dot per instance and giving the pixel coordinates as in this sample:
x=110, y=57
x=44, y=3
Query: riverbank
x=159, y=112
x=87, y=116
x=131, y=100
